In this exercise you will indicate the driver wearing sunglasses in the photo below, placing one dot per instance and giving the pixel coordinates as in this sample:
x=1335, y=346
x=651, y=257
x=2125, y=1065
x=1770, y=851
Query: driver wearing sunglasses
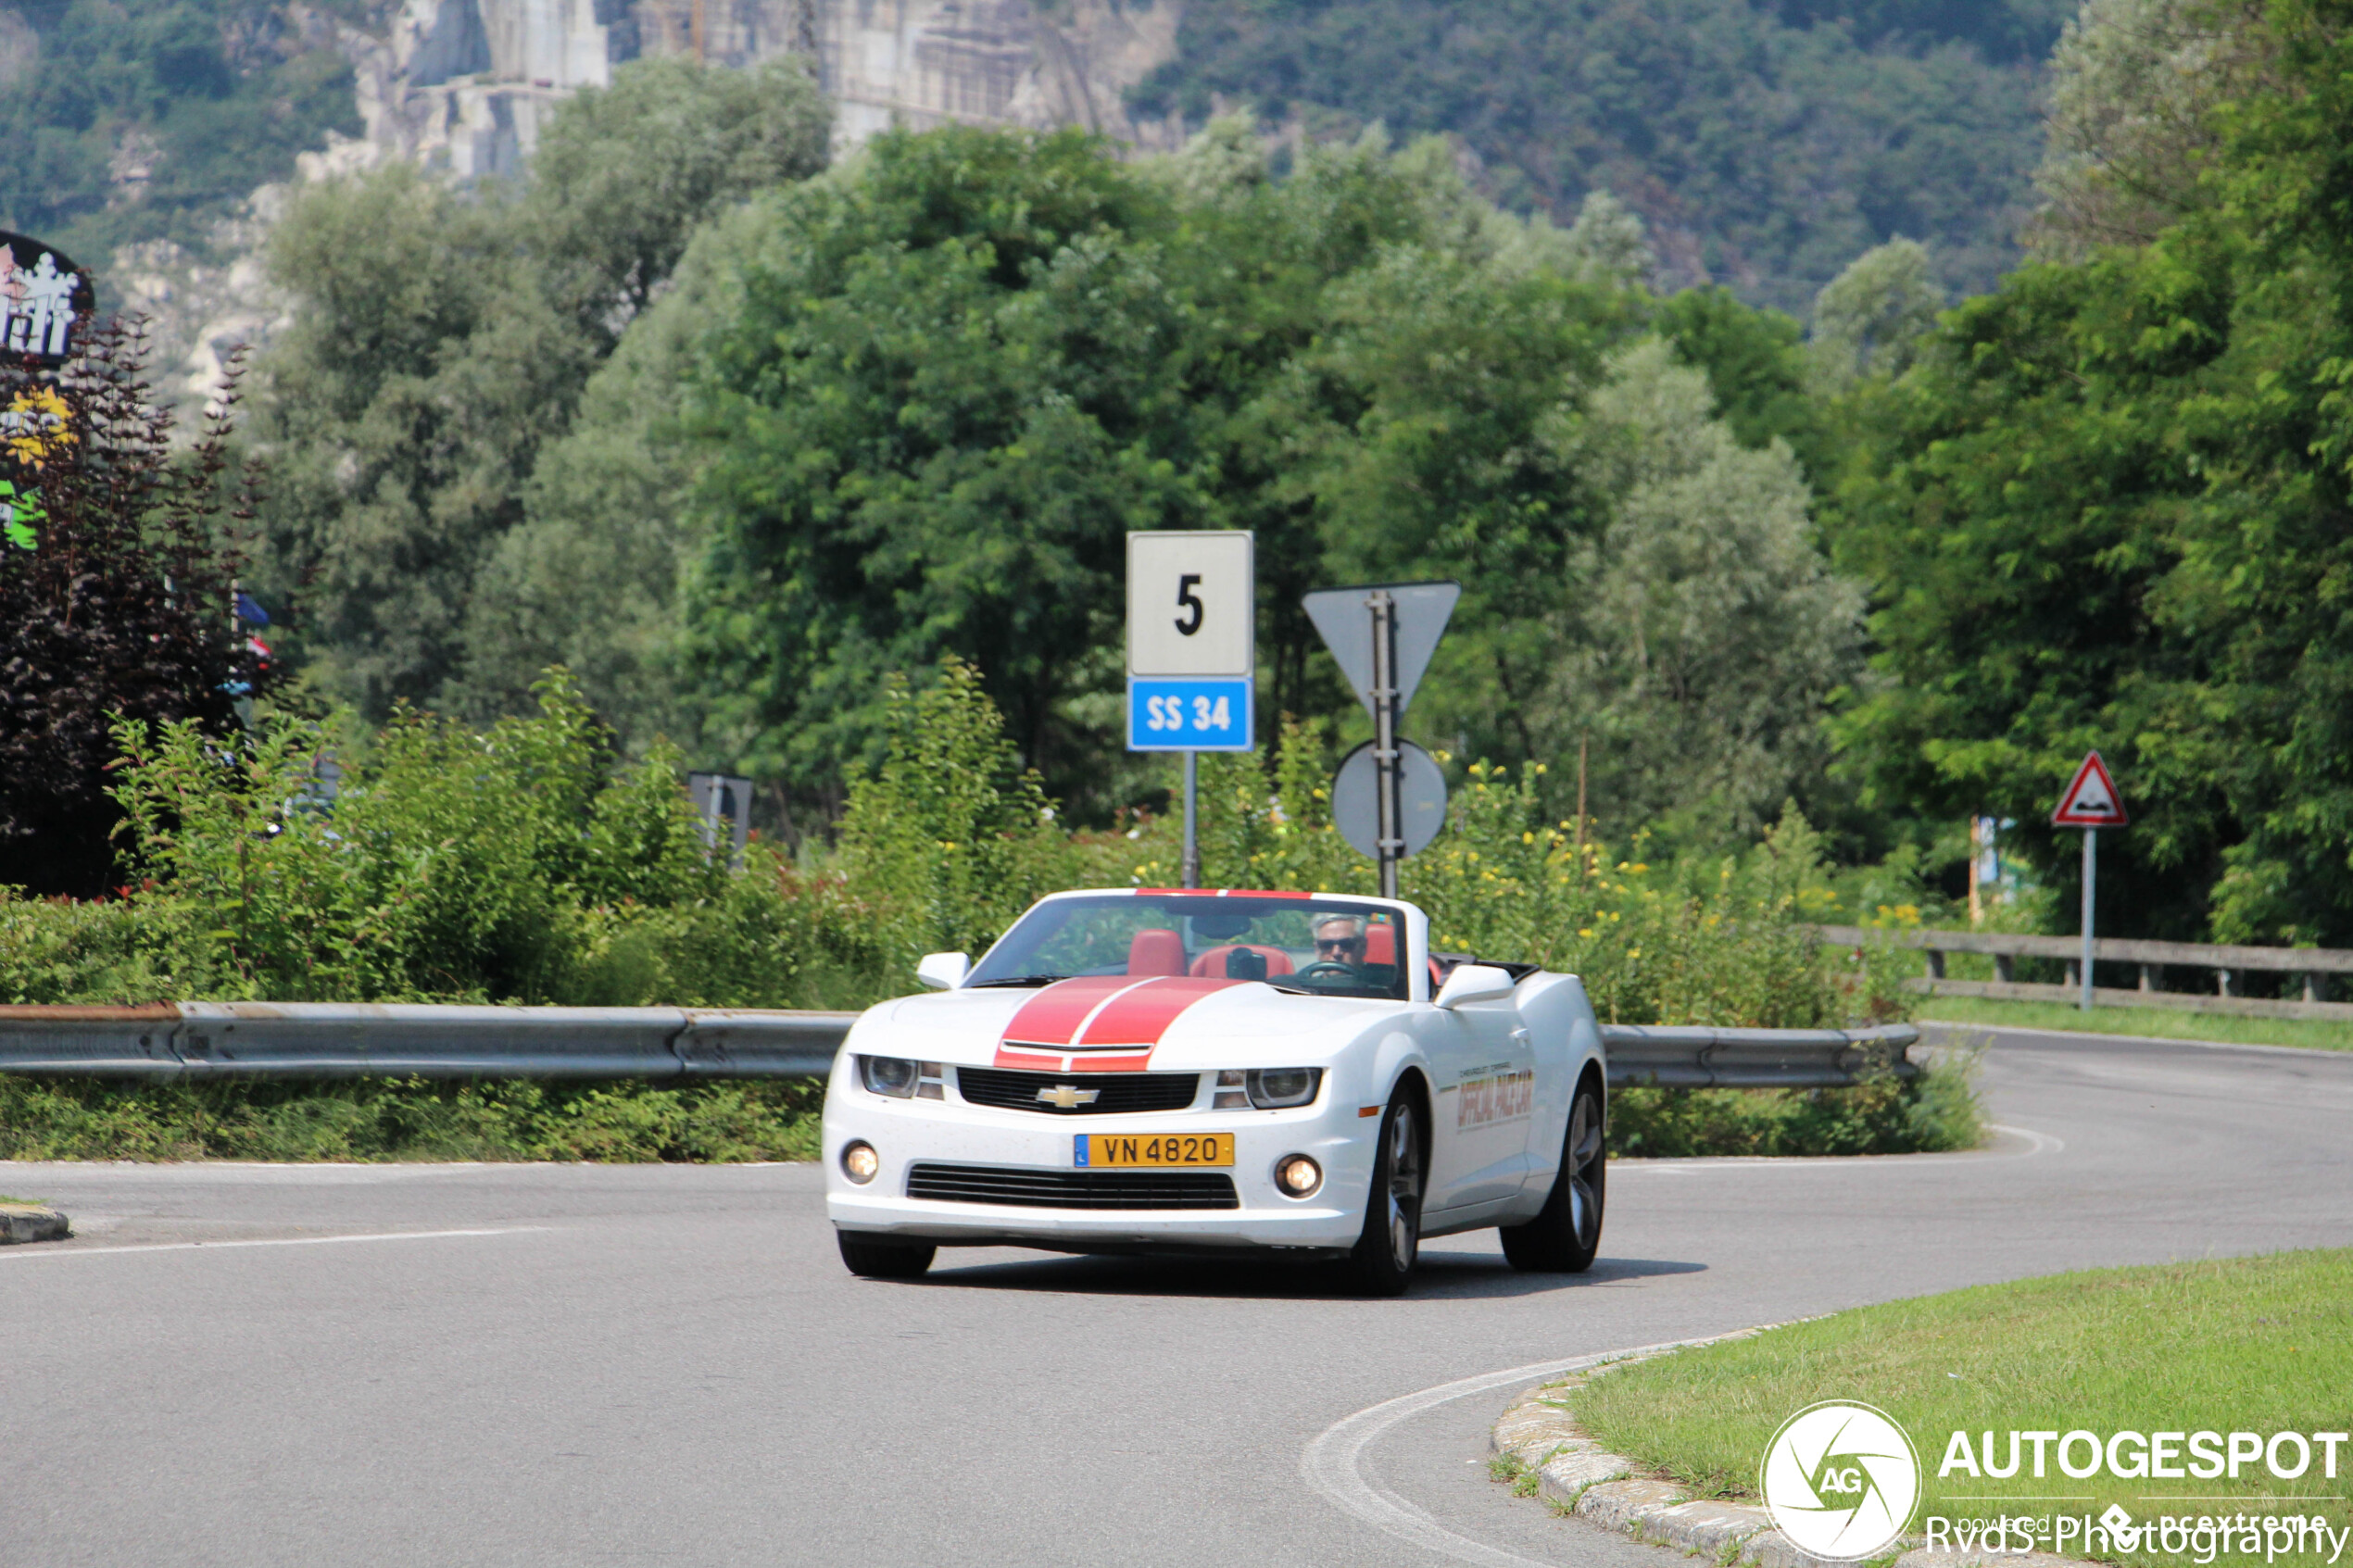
x=1340, y=939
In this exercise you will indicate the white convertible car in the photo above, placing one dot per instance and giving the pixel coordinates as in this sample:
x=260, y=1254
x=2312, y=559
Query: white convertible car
x=1162, y=1070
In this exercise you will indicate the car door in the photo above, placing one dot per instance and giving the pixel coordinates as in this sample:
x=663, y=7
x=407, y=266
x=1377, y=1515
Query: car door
x=1482, y=1104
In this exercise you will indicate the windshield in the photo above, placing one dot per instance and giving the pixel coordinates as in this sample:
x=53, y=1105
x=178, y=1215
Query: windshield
x=1313, y=945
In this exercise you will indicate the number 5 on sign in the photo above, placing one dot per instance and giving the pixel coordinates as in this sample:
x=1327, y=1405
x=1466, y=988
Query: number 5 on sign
x=1191, y=605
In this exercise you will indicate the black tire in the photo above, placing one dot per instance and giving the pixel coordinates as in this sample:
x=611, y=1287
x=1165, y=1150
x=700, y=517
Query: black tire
x=1391, y=1243
x=873, y=1258
x=1567, y=1232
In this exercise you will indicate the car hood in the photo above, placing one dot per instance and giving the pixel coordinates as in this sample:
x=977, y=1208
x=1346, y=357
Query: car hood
x=1114, y=1023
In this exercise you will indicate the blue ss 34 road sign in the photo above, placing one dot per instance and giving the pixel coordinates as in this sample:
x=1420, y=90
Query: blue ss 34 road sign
x=1189, y=715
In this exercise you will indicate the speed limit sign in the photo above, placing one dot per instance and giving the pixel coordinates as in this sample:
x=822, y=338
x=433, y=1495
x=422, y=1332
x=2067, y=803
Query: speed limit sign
x=1192, y=641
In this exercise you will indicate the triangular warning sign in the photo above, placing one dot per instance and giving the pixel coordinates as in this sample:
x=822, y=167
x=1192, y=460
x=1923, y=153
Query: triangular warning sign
x=2090, y=801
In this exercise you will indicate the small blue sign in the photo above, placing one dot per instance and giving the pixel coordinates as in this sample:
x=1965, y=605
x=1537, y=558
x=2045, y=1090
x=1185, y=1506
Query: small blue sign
x=1189, y=715
x=1078, y=1147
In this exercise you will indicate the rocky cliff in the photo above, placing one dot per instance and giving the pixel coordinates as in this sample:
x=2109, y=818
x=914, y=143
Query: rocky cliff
x=463, y=86
x=463, y=83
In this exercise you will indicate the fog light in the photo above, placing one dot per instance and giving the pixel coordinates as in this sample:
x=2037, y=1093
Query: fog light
x=1298, y=1175
x=858, y=1162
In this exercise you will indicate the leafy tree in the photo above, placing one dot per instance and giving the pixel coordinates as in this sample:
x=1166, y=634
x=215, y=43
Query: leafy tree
x=2135, y=84
x=2110, y=507
x=442, y=339
x=114, y=600
x=1868, y=319
x=937, y=415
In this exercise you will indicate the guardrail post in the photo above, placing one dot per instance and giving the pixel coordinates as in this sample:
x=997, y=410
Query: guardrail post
x=2316, y=986
x=1936, y=963
x=2005, y=967
x=2226, y=983
x=2149, y=977
x=2074, y=973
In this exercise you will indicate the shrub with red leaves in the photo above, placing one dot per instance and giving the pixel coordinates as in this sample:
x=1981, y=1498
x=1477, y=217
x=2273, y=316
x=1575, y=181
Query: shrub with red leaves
x=116, y=586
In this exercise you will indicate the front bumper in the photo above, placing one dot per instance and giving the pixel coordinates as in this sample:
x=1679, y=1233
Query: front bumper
x=950, y=1131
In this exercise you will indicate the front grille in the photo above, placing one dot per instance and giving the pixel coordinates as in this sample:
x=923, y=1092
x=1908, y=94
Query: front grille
x=1115, y=1092
x=1073, y=1189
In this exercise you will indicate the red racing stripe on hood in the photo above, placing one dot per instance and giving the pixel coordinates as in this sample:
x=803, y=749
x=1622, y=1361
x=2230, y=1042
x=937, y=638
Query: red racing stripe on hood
x=1140, y=1016
x=1053, y=1015
x=1066, y=1027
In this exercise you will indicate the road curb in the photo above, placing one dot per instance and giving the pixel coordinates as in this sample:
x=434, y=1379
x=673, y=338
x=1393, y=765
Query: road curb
x=1576, y=1475
x=31, y=1222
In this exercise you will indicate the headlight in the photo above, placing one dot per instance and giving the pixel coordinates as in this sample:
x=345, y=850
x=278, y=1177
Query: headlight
x=1297, y=1175
x=901, y=1079
x=892, y=1075
x=1274, y=1086
x=858, y=1161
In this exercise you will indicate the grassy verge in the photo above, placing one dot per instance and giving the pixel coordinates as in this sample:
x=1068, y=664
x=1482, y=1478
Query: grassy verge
x=517, y=1119
x=1932, y=1113
x=379, y=1119
x=2221, y=1027
x=2259, y=1345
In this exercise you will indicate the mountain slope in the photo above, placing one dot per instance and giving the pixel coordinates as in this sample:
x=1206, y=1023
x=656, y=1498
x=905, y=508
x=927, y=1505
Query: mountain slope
x=1766, y=145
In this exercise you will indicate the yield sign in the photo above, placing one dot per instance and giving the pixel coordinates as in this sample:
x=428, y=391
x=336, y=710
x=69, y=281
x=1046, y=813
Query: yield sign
x=2090, y=801
x=1342, y=615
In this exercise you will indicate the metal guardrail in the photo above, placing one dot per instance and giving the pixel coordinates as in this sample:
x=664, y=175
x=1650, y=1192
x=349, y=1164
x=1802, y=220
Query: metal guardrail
x=397, y=1040
x=1684, y=1058
x=196, y=1040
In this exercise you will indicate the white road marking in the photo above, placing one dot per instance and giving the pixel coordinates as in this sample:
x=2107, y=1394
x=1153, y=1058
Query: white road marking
x=1333, y=1463
x=282, y=1241
x=2043, y=1143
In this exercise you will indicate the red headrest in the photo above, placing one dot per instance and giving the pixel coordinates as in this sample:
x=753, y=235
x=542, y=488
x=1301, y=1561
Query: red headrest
x=1380, y=943
x=1154, y=951
x=1212, y=962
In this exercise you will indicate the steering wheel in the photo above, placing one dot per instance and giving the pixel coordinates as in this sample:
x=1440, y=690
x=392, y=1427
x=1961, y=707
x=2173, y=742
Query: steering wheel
x=1327, y=966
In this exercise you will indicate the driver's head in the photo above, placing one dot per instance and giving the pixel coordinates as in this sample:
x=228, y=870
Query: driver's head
x=1340, y=939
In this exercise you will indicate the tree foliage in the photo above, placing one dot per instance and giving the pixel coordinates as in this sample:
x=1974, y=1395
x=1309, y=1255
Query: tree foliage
x=2110, y=507
x=443, y=337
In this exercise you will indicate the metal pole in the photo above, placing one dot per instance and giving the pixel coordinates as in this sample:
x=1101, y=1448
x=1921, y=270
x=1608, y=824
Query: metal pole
x=1192, y=836
x=2090, y=870
x=1388, y=775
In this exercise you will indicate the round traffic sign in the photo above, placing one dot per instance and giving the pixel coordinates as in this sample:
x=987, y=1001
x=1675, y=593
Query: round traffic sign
x=1357, y=808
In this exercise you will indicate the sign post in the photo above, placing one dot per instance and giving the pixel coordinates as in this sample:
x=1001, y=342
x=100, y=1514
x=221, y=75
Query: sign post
x=2091, y=803
x=1192, y=653
x=1383, y=635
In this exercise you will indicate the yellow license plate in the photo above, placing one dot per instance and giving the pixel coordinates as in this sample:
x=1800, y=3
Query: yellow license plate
x=1099, y=1151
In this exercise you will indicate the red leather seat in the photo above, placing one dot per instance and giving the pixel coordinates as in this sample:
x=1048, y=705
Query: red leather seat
x=1380, y=943
x=1212, y=962
x=1156, y=952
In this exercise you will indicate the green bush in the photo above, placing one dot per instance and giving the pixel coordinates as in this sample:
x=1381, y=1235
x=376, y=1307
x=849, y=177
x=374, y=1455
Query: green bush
x=1932, y=1113
x=527, y=864
x=380, y=1119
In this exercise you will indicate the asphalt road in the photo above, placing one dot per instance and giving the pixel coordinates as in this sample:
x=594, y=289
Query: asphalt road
x=445, y=1366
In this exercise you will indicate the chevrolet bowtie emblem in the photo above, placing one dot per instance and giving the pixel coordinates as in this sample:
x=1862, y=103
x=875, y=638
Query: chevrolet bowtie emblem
x=1067, y=1097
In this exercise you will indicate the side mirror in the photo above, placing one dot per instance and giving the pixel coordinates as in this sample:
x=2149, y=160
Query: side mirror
x=1474, y=982
x=943, y=972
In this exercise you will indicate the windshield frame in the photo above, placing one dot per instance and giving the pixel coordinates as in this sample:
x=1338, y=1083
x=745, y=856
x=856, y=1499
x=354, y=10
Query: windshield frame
x=1415, y=930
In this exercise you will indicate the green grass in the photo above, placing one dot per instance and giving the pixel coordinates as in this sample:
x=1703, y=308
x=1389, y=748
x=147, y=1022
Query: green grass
x=383, y=1119
x=23, y=1202
x=2259, y=1345
x=2221, y=1027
